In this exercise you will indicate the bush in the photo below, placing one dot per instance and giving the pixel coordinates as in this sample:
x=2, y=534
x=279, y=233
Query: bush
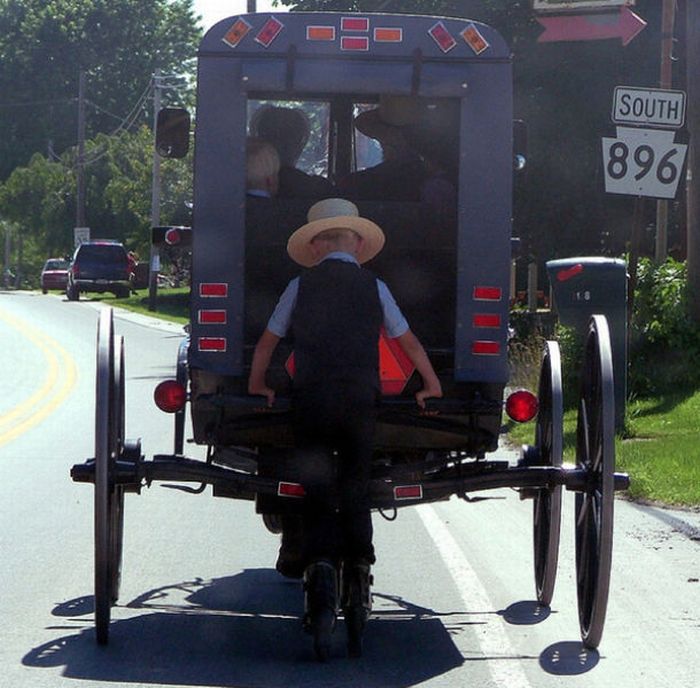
x=664, y=349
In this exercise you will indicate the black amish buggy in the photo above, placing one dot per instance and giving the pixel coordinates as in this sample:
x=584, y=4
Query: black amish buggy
x=449, y=272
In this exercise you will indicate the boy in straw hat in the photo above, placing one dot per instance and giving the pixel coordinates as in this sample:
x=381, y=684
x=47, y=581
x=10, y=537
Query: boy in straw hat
x=336, y=309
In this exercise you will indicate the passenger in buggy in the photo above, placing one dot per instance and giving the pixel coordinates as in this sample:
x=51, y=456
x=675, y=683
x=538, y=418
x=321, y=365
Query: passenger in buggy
x=335, y=310
x=288, y=130
x=262, y=169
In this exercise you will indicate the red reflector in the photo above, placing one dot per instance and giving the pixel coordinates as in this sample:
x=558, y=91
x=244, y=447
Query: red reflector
x=382, y=35
x=522, y=406
x=408, y=492
x=170, y=396
x=486, y=320
x=442, y=37
x=212, y=344
x=320, y=33
x=290, y=490
x=487, y=293
x=172, y=237
x=236, y=33
x=354, y=24
x=212, y=317
x=486, y=348
x=567, y=274
x=209, y=289
x=354, y=43
x=270, y=30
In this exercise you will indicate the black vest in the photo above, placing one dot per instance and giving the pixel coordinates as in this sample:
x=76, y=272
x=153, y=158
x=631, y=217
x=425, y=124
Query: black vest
x=336, y=323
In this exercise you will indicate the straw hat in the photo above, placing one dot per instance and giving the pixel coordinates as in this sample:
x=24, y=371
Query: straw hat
x=393, y=112
x=334, y=213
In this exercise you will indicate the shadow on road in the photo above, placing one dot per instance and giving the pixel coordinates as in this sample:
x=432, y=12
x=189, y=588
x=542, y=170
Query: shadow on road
x=246, y=630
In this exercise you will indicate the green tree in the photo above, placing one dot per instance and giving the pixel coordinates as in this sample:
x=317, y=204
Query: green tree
x=44, y=44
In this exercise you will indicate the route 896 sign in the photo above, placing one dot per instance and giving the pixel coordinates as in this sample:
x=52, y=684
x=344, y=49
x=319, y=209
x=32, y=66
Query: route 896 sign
x=643, y=162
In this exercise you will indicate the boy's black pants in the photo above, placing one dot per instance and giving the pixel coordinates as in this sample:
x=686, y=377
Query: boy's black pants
x=334, y=436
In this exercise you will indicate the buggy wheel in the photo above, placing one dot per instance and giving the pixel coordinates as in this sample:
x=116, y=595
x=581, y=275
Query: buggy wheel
x=181, y=376
x=595, y=453
x=109, y=498
x=547, y=501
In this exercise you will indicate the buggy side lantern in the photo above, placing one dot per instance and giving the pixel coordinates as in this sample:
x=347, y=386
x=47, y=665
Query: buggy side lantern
x=173, y=132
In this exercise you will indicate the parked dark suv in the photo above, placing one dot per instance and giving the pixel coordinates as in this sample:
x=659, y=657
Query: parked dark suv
x=99, y=266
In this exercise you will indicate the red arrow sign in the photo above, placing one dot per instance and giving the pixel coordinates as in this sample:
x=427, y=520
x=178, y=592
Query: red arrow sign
x=624, y=25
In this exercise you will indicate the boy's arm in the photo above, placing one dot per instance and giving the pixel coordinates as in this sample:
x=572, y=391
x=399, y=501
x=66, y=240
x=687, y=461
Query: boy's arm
x=415, y=351
x=261, y=361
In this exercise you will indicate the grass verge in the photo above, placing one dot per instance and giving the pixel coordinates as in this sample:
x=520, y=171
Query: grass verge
x=171, y=303
x=660, y=452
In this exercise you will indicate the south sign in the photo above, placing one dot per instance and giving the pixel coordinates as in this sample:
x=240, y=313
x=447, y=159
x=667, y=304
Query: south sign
x=649, y=107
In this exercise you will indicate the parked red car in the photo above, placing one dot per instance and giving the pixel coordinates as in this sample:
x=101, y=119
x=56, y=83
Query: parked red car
x=54, y=274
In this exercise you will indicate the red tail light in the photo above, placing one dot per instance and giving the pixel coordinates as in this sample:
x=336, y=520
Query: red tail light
x=522, y=406
x=170, y=396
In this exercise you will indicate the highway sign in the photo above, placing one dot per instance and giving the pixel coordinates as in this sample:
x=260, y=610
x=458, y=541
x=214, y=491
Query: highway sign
x=643, y=162
x=652, y=107
x=80, y=234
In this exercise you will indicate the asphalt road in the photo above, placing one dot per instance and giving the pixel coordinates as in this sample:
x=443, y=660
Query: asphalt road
x=201, y=604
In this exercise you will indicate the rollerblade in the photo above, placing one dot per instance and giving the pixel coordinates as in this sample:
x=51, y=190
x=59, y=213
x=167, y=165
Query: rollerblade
x=356, y=602
x=320, y=605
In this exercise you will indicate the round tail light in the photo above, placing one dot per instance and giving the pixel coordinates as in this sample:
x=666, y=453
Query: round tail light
x=170, y=396
x=522, y=406
x=172, y=237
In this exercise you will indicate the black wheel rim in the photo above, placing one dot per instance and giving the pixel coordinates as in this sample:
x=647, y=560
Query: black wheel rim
x=547, y=502
x=595, y=453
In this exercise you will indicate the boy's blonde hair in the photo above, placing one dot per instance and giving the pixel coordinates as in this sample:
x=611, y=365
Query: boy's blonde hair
x=262, y=163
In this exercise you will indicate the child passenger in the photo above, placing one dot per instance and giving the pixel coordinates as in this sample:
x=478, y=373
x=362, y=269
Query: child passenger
x=336, y=309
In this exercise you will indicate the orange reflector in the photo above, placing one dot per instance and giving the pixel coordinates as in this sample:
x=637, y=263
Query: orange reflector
x=236, y=33
x=213, y=289
x=486, y=320
x=382, y=35
x=442, y=37
x=290, y=490
x=320, y=33
x=486, y=348
x=170, y=396
x=474, y=39
x=354, y=24
x=487, y=293
x=522, y=406
x=354, y=43
x=212, y=344
x=212, y=317
x=408, y=492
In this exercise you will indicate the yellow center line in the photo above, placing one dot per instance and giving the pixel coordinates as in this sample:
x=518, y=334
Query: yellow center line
x=61, y=374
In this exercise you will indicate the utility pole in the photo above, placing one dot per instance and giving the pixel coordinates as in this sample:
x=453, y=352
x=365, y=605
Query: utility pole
x=154, y=261
x=252, y=9
x=80, y=169
x=693, y=177
x=665, y=82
